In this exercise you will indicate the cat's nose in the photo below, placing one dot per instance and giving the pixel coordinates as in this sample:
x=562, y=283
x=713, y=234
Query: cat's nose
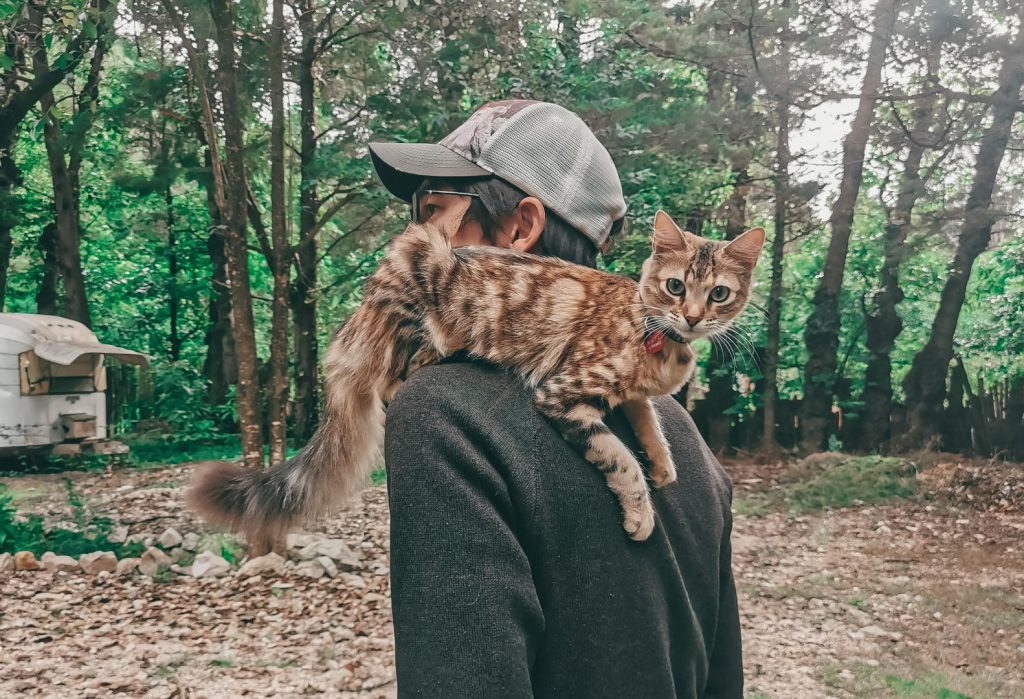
x=692, y=320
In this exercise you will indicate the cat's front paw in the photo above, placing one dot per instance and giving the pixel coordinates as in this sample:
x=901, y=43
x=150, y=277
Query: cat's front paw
x=663, y=475
x=639, y=520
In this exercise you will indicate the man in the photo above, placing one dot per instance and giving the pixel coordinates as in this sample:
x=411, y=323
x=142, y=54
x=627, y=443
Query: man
x=511, y=575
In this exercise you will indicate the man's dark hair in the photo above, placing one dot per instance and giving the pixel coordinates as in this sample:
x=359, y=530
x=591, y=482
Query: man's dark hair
x=497, y=199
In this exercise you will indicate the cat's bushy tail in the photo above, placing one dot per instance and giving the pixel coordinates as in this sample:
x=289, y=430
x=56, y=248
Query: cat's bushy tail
x=362, y=365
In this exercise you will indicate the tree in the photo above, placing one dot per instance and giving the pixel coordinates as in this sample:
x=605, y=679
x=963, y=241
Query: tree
x=25, y=44
x=925, y=384
x=781, y=90
x=883, y=323
x=236, y=198
x=281, y=253
x=822, y=331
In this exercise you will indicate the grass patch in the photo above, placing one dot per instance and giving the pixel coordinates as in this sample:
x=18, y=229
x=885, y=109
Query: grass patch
x=933, y=687
x=29, y=533
x=826, y=481
x=916, y=681
x=222, y=662
x=379, y=476
x=147, y=452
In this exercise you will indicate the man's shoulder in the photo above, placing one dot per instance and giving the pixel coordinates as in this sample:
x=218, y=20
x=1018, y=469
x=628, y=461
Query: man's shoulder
x=454, y=388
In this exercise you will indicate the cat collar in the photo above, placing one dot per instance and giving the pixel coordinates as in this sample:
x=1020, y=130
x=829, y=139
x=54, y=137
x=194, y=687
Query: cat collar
x=654, y=337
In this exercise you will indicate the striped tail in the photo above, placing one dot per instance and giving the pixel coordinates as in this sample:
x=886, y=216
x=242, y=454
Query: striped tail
x=363, y=365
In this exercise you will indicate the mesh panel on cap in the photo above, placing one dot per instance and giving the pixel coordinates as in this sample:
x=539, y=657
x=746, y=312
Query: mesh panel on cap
x=548, y=152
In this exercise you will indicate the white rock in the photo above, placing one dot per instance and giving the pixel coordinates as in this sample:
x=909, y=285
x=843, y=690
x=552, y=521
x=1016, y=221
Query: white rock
x=328, y=565
x=190, y=542
x=6, y=563
x=310, y=569
x=54, y=563
x=209, y=565
x=875, y=631
x=170, y=538
x=153, y=561
x=352, y=580
x=126, y=566
x=271, y=563
x=93, y=563
x=118, y=534
x=298, y=540
x=335, y=549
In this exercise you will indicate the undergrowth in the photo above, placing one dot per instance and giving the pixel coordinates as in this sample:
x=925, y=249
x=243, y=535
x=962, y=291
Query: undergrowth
x=827, y=481
x=29, y=533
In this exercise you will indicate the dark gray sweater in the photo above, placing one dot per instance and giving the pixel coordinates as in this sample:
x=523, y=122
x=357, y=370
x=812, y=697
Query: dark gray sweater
x=511, y=573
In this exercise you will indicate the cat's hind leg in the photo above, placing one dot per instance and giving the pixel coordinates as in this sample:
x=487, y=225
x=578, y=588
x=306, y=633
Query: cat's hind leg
x=582, y=425
x=641, y=415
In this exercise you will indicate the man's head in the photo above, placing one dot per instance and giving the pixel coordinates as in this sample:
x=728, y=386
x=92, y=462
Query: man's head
x=529, y=176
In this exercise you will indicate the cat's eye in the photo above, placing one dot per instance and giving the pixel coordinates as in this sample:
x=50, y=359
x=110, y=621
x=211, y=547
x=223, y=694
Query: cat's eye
x=675, y=286
x=720, y=293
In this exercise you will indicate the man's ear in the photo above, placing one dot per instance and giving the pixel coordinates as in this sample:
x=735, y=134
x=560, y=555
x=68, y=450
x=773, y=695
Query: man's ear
x=528, y=225
x=668, y=236
x=746, y=248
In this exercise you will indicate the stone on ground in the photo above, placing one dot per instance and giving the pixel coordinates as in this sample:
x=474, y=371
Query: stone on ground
x=209, y=565
x=335, y=549
x=26, y=560
x=6, y=563
x=354, y=581
x=328, y=565
x=126, y=566
x=270, y=563
x=54, y=563
x=190, y=542
x=310, y=569
x=97, y=562
x=170, y=538
x=154, y=561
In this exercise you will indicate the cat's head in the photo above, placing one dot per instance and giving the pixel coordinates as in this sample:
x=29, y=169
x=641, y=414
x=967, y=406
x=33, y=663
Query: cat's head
x=700, y=285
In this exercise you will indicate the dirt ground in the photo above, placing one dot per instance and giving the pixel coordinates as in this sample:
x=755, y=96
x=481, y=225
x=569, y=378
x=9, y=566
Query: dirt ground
x=907, y=599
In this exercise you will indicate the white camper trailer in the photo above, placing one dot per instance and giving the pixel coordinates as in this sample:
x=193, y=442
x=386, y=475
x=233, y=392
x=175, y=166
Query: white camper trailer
x=52, y=380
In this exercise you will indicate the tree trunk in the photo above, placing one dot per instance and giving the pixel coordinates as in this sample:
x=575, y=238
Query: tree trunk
x=883, y=322
x=281, y=261
x=720, y=369
x=46, y=294
x=248, y=393
x=220, y=367
x=925, y=384
x=822, y=330
x=303, y=298
x=172, y=273
x=69, y=256
x=769, y=444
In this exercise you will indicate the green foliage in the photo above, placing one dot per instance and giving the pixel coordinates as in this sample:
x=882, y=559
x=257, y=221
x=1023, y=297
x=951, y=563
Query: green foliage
x=660, y=85
x=29, y=533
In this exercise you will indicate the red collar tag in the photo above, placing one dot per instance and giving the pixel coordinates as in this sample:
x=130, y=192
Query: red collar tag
x=654, y=342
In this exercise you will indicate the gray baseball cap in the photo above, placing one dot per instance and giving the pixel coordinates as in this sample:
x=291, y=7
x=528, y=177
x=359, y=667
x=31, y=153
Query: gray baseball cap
x=541, y=148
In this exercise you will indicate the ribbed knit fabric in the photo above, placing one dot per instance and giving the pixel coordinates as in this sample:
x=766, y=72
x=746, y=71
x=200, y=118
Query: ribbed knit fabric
x=511, y=573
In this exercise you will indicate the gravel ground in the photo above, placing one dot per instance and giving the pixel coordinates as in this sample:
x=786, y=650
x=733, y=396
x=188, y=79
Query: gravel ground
x=901, y=600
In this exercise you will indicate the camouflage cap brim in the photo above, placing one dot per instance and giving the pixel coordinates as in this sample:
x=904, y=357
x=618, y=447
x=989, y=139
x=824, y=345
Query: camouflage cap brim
x=403, y=166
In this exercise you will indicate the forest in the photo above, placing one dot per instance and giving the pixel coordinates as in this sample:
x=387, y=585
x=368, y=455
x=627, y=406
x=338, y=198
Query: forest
x=191, y=180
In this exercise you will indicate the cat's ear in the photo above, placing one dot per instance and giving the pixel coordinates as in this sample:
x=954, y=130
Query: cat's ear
x=667, y=235
x=746, y=248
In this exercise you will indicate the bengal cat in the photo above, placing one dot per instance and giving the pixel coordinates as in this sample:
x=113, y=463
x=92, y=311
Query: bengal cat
x=584, y=340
